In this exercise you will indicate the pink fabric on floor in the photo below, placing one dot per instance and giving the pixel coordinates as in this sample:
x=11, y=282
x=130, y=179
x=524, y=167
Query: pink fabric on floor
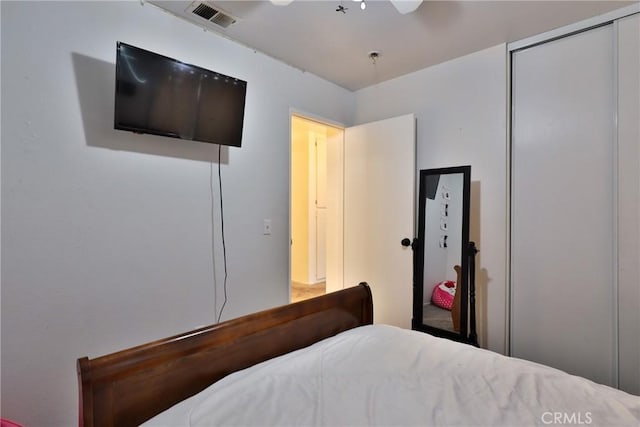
x=443, y=294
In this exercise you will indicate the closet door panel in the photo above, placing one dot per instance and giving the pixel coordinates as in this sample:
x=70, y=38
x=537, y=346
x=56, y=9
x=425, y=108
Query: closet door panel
x=562, y=274
x=629, y=202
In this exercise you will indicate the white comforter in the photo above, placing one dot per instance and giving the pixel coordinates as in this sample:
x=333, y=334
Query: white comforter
x=387, y=376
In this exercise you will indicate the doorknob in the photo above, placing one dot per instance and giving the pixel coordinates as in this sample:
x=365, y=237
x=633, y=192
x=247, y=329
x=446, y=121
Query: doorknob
x=408, y=242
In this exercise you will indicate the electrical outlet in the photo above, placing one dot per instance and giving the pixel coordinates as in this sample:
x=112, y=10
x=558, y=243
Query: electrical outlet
x=266, y=227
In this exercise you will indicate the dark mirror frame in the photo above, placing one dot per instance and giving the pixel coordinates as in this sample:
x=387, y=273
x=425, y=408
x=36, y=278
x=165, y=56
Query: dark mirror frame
x=419, y=253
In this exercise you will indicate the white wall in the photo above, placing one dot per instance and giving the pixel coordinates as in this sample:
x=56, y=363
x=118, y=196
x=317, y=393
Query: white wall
x=106, y=235
x=460, y=107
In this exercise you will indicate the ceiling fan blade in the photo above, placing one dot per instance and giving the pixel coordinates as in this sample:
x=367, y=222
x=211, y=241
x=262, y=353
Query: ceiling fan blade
x=281, y=2
x=406, y=6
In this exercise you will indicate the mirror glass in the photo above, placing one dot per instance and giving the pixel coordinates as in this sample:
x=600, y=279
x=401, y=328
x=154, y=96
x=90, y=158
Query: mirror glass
x=440, y=255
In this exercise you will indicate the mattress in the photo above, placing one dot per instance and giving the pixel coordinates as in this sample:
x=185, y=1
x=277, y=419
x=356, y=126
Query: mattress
x=381, y=375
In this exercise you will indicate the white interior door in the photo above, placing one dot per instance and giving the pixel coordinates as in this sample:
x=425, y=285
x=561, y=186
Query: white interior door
x=379, y=194
x=320, y=208
x=563, y=186
x=321, y=244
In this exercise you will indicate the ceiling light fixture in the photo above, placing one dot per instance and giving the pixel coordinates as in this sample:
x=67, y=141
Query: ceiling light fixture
x=406, y=6
x=403, y=6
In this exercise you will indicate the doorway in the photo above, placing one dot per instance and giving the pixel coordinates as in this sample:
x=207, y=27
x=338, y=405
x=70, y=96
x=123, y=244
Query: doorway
x=369, y=209
x=315, y=207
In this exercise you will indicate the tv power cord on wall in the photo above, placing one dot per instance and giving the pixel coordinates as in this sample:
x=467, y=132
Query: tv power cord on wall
x=224, y=245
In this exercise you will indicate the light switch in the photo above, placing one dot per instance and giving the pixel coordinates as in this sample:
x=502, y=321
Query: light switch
x=266, y=227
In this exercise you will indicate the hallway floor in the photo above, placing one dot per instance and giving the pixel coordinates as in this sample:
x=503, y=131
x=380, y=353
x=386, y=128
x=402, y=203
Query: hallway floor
x=301, y=291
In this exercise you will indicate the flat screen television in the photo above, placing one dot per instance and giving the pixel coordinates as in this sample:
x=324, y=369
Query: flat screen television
x=163, y=96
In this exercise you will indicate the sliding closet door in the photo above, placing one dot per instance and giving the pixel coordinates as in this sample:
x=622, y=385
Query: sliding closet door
x=563, y=149
x=629, y=202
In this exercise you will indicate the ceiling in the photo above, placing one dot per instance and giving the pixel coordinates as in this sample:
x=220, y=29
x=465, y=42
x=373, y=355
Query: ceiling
x=314, y=37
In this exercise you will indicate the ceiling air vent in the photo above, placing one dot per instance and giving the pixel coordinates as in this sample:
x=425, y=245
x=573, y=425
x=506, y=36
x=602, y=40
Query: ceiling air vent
x=204, y=11
x=215, y=16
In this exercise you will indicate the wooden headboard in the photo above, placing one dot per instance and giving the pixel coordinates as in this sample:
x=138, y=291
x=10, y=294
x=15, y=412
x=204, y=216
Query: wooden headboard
x=131, y=386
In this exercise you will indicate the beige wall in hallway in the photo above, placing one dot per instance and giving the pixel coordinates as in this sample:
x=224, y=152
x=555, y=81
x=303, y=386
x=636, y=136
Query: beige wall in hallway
x=299, y=200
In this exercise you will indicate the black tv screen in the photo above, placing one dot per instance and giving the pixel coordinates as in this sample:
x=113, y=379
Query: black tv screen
x=163, y=96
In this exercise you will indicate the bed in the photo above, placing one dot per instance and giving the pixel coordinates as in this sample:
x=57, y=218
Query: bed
x=131, y=386
x=323, y=362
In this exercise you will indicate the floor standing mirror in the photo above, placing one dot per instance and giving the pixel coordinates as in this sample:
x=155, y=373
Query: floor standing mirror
x=443, y=294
